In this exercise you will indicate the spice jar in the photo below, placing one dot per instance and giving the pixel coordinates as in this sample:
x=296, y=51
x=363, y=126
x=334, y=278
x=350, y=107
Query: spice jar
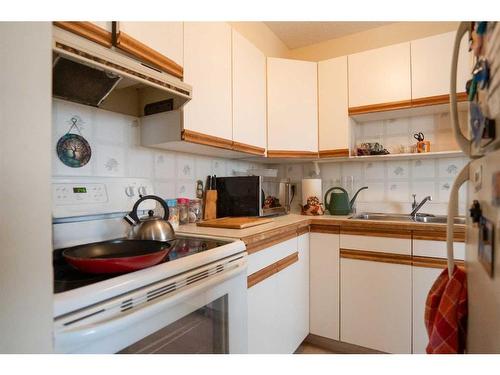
x=195, y=210
x=173, y=213
x=183, y=205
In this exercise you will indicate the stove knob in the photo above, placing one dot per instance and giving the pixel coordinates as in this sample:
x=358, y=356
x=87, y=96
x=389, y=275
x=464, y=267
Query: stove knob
x=129, y=191
x=142, y=190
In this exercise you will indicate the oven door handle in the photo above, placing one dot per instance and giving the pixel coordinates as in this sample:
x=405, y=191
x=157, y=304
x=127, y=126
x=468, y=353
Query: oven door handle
x=72, y=339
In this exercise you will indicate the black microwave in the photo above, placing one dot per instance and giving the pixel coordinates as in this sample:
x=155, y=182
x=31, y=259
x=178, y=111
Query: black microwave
x=245, y=196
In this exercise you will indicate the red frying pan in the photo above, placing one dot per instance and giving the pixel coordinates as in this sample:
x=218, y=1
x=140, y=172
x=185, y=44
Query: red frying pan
x=116, y=256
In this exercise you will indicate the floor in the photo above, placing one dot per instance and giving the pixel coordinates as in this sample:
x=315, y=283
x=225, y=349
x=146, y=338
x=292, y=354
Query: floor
x=306, y=348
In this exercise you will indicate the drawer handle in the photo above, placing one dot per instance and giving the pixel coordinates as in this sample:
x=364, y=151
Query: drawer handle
x=272, y=269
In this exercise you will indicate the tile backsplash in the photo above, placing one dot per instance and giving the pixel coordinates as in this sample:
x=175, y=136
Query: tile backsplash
x=396, y=135
x=116, y=152
x=390, y=183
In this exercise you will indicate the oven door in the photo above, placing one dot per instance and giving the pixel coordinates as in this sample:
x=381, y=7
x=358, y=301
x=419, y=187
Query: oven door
x=200, y=311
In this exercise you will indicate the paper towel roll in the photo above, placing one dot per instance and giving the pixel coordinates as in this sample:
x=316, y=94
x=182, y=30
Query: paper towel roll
x=311, y=187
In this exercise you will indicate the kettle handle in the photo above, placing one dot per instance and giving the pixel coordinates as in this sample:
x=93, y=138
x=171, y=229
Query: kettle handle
x=329, y=190
x=132, y=217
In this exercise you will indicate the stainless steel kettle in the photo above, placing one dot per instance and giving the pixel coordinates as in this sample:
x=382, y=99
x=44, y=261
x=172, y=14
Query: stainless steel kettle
x=153, y=228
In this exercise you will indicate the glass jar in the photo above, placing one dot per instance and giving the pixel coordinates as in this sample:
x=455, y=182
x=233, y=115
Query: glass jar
x=194, y=210
x=183, y=205
x=173, y=213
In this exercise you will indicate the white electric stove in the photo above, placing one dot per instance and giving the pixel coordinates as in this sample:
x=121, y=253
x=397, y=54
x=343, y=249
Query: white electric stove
x=193, y=301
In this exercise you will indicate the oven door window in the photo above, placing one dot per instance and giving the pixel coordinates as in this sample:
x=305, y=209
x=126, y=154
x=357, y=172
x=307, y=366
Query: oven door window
x=204, y=331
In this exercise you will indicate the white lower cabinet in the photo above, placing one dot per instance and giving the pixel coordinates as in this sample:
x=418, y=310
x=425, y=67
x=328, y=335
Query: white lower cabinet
x=423, y=278
x=376, y=305
x=278, y=314
x=324, y=285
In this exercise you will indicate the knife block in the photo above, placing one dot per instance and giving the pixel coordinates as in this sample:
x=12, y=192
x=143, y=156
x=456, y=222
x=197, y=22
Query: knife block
x=210, y=205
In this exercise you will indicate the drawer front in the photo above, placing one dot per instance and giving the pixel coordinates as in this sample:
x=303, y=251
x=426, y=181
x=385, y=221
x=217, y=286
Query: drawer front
x=273, y=254
x=437, y=249
x=376, y=244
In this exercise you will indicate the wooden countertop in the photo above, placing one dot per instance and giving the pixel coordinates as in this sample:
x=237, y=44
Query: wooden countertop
x=287, y=226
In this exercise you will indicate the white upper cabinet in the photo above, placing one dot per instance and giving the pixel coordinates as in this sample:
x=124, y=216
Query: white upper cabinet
x=292, y=105
x=163, y=37
x=431, y=65
x=249, y=93
x=207, y=67
x=380, y=75
x=333, y=104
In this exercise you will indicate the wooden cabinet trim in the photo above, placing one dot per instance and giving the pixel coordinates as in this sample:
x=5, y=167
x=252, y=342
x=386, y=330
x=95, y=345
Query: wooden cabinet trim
x=427, y=262
x=207, y=140
x=380, y=107
x=405, y=104
x=291, y=154
x=272, y=269
x=375, y=256
x=270, y=241
x=437, y=99
x=303, y=230
x=148, y=54
x=87, y=30
x=375, y=232
x=458, y=236
x=322, y=228
x=341, y=152
x=249, y=149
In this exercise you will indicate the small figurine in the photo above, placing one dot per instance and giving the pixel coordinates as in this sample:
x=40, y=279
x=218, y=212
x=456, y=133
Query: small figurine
x=313, y=207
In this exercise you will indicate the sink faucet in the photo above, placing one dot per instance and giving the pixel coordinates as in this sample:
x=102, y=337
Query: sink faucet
x=418, y=206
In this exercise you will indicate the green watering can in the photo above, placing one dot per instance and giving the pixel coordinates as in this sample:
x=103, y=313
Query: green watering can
x=339, y=202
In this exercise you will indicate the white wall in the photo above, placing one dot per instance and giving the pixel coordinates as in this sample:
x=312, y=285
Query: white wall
x=116, y=152
x=25, y=221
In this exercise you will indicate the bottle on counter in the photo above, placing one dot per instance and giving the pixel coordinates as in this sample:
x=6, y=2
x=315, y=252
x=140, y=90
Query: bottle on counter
x=183, y=205
x=173, y=213
x=195, y=214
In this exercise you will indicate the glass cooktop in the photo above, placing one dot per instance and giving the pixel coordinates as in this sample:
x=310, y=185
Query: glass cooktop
x=66, y=277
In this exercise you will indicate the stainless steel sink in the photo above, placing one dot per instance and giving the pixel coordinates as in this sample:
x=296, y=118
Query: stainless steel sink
x=438, y=219
x=420, y=218
x=383, y=217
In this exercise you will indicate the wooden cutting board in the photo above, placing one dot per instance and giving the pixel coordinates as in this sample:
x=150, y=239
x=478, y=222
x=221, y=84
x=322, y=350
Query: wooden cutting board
x=234, y=222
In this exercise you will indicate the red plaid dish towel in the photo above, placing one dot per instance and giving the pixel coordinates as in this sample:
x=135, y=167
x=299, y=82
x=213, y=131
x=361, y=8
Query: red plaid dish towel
x=446, y=313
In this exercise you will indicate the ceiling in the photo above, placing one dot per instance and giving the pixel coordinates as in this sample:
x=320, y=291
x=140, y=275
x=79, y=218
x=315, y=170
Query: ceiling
x=300, y=34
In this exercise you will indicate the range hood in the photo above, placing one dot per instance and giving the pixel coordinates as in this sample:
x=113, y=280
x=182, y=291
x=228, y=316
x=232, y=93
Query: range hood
x=90, y=74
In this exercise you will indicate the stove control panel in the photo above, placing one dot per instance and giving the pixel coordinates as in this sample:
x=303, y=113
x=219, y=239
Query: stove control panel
x=76, y=194
x=93, y=196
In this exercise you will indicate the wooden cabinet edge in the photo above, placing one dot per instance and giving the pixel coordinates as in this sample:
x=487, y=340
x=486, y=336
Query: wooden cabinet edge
x=380, y=107
x=249, y=149
x=303, y=230
x=427, y=262
x=375, y=256
x=291, y=154
x=376, y=232
x=405, y=104
x=147, y=54
x=270, y=241
x=272, y=269
x=437, y=99
x=207, y=140
x=87, y=30
x=411, y=260
x=337, y=153
x=458, y=236
x=325, y=228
